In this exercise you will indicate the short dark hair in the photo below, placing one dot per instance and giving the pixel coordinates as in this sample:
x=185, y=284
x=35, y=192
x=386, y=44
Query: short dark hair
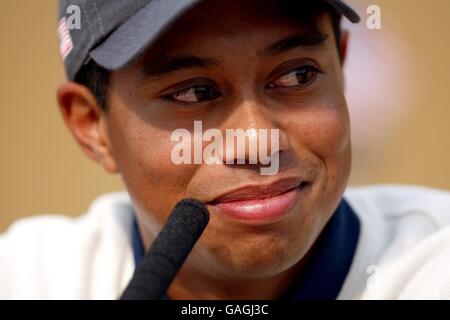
x=97, y=79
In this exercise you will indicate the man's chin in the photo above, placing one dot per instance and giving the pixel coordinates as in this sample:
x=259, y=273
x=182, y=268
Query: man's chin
x=257, y=259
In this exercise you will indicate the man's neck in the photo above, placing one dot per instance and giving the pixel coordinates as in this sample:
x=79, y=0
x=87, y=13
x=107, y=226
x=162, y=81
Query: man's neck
x=191, y=286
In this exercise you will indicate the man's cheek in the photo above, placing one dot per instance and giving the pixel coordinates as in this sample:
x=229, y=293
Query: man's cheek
x=155, y=183
x=330, y=134
x=334, y=149
x=327, y=141
x=150, y=165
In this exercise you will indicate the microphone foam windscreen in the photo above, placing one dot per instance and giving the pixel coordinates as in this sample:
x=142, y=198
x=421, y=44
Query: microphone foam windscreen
x=170, y=249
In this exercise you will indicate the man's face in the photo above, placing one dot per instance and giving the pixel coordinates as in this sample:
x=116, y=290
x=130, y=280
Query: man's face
x=244, y=64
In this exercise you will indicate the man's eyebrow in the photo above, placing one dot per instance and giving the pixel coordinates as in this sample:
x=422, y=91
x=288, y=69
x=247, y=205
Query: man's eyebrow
x=305, y=40
x=167, y=65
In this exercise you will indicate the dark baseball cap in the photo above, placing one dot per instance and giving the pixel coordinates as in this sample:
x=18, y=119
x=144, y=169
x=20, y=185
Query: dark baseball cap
x=115, y=32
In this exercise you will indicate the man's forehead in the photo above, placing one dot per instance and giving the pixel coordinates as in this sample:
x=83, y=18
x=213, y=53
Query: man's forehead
x=236, y=16
x=198, y=31
x=156, y=66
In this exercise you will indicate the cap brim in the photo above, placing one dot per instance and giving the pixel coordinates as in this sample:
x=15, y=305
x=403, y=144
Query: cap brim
x=344, y=10
x=133, y=37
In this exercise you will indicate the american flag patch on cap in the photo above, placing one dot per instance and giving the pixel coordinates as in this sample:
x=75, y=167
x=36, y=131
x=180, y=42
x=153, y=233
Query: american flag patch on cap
x=65, y=40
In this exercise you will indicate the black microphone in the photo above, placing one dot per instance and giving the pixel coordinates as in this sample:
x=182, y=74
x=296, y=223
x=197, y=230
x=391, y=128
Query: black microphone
x=168, y=252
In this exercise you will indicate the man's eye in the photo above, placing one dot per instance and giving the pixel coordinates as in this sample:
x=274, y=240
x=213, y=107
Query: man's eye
x=300, y=77
x=194, y=94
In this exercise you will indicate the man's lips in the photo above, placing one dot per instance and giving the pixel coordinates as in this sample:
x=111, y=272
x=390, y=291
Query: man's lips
x=260, y=203
x=259, y=191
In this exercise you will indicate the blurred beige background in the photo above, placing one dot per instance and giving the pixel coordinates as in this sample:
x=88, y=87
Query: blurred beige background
x=398, y=89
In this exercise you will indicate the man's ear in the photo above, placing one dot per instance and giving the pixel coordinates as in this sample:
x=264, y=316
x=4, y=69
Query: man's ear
x=343, y=45
x=86, y=121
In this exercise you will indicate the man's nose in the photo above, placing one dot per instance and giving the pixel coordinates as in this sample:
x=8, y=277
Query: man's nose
x=255, y=132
